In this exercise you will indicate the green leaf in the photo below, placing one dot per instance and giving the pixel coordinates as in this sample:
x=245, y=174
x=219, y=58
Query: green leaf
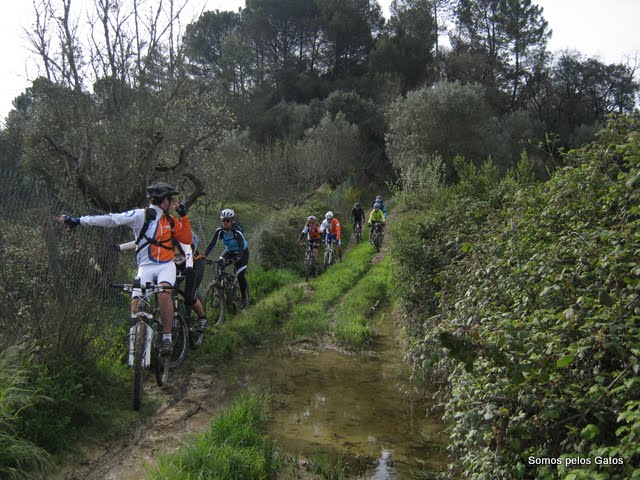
x=604, y=298
x=590, y=432
x=549, y=290
x=564, y=361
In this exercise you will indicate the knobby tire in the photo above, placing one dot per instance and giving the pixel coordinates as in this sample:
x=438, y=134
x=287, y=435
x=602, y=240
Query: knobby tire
x=195, y=337
x=215, y=304
x=307, y=268
x=180, y=339
x=233, y=295
x=140, y=333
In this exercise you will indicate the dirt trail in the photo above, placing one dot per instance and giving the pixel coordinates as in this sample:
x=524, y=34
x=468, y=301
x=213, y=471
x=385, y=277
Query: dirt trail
x=187, y=407
x=189, y=403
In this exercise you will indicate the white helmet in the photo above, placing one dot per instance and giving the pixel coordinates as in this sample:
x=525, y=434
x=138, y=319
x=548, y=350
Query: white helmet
x=311, y=218
x=227, y=213
x=329, y=215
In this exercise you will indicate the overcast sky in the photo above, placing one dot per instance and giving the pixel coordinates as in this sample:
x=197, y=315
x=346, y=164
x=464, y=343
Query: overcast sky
x=602, y=28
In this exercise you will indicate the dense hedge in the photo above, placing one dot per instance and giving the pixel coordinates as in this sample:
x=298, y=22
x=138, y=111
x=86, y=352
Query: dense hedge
x=535, y=333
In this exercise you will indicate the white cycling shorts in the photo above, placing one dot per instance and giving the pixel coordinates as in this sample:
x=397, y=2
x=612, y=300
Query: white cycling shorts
x=157, y=273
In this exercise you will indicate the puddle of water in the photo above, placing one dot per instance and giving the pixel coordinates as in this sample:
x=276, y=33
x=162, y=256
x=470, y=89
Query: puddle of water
x=358, y=406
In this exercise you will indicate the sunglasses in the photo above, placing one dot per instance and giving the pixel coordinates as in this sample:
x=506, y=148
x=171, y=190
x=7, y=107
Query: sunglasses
x=226, y=220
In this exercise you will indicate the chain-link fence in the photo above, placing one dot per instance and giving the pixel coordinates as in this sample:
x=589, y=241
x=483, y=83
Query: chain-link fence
x=54, y=282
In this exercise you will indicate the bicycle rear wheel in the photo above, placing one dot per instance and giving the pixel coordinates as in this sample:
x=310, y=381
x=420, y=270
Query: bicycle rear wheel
x=195, y=335
x=156, y=359
x=214, y=303
x=139, y=340
x=180, y=339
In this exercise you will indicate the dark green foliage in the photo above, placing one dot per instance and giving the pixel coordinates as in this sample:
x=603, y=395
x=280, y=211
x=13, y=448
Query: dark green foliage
x=534, y=325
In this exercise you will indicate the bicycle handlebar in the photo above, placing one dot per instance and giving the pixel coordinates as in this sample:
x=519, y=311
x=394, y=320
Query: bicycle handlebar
x=148, y=286
x=223, y=262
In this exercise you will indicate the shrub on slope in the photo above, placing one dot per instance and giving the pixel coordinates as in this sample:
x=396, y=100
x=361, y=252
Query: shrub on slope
x=540, y=322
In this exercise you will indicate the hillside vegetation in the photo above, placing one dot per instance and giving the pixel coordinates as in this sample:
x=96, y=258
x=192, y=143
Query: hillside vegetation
x=522, y=303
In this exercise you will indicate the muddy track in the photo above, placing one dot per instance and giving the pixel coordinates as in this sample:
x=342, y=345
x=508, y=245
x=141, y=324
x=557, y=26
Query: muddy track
x=187, y=406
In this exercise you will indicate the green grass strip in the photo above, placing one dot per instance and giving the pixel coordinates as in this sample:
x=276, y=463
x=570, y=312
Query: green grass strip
x=236, y=447
x=350, y=324
x=250, y=327
x=312, y=317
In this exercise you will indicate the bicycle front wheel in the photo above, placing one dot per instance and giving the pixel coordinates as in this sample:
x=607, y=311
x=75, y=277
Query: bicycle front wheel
x=377, y=241
x=215, y=303
x=234, y=297
x=307, y=267
x=140, y=337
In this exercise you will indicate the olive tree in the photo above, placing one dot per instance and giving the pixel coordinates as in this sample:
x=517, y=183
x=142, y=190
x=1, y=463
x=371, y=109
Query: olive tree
x=113, y=108
x=445, y=120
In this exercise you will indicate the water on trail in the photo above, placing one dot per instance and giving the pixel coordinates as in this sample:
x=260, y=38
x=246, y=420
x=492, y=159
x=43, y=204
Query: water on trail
x=360, y=407
x=356, y=407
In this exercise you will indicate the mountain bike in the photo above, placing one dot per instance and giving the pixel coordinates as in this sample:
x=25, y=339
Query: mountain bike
x=145, y=339
x=357, y=231
x=329, y=254
x=377, y=235
x=182, y=313
x=310, y=262
x=223, y=294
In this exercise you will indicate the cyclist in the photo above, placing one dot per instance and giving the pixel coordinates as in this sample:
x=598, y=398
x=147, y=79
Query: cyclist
x=189, y=261
x=383, y=208
x=357, y=216
x=236, y=249
x=376, y=216
x=155, y=230
x=312, y=231
x=331, y=228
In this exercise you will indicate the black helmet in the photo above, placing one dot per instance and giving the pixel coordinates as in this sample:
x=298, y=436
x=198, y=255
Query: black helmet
x=160, y=190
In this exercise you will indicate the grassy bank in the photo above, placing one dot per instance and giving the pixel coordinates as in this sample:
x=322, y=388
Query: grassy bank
x=236, y=447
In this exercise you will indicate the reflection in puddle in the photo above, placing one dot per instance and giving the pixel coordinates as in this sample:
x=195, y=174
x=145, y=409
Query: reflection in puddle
x=356, y=405
x=384, y=471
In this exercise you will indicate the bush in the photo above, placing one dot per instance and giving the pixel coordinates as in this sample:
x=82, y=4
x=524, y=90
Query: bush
x=536, y=324
x=18, y=455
